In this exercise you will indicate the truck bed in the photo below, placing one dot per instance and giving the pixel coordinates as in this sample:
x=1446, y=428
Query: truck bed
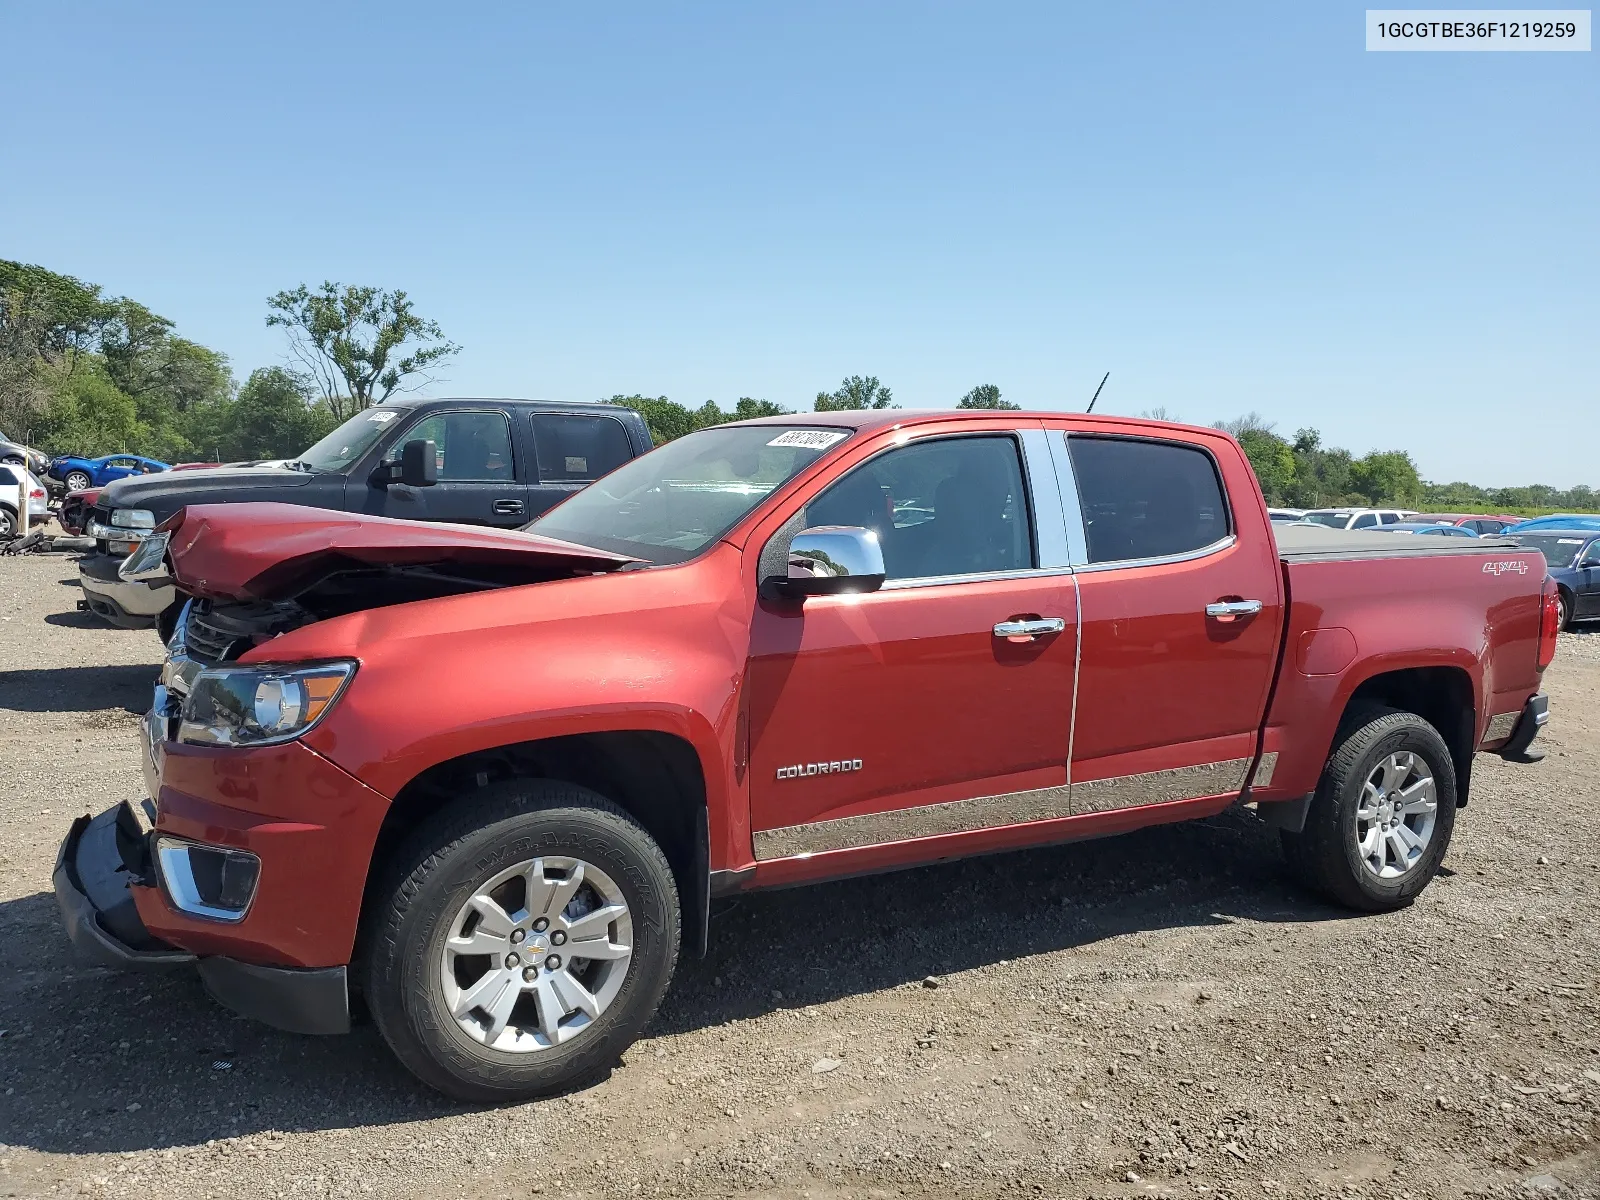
x=1316, y=543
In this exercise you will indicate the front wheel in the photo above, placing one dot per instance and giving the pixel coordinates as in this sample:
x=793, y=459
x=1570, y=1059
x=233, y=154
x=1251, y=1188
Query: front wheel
x=77, y=481
x=1563, y=611
x=8, y=523
x=1382, y=816
x=525, y=940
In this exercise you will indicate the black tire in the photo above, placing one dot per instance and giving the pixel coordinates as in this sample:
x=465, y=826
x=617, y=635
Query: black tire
x=83, y=481
x=1324, y=854
x=167, y=621
x=441, y=864
x=1564, y=611
x=8, y=522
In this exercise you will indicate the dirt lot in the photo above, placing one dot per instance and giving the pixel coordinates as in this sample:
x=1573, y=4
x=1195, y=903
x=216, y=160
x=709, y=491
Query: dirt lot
x=1160, y=1014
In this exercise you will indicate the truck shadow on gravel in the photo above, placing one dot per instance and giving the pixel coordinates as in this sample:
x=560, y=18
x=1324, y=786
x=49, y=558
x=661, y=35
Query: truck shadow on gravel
x=79, y=689
x=100, y=1062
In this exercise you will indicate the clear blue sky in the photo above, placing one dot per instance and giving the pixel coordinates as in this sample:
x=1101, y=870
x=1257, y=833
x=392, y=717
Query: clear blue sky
x=1231, y=207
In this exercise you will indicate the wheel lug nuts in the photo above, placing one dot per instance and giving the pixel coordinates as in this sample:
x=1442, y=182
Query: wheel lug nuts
x=558, y=938
x=529, y=974
x=516, y=936
x=541, y=925
x=553, y=962
x=512, y=962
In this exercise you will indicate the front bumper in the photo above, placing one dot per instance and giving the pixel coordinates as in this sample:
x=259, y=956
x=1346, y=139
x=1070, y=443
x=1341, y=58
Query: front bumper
x=105, y=863
x=129, y=604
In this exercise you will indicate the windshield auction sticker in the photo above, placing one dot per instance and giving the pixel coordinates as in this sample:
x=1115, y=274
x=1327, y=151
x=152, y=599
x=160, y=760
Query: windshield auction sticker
x=808, y=439
x=1477, y=29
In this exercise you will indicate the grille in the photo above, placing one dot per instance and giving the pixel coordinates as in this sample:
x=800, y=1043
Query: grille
x=209, y=640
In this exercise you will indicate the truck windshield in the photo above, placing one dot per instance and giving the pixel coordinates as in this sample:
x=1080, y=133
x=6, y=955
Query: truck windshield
x=1336, y=520
x=351, y=440
x=1559, y=549
x=675, y=501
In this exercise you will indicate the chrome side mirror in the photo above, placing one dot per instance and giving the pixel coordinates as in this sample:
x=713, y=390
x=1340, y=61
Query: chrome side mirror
x=828, y=560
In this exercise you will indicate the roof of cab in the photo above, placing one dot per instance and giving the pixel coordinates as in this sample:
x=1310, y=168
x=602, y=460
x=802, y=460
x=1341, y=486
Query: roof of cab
x=881, y=418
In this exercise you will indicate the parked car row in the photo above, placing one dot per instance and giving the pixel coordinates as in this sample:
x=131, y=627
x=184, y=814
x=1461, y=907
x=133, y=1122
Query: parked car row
x=15, y=480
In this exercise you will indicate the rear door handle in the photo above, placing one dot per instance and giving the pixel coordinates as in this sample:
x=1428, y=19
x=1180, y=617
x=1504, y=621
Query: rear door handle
x=1029, y=628
x=508, y=507
x=1232, y=610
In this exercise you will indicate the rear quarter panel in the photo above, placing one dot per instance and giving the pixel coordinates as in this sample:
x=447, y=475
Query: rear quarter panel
x=1351, y=620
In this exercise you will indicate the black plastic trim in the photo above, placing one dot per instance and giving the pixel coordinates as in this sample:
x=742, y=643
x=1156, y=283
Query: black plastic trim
x=1519, y=747
x=82, y=919
x=312, y=1000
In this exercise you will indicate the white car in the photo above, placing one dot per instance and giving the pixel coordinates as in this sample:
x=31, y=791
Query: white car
x=11, y=485
x=1357, y=518
x=1285, y=516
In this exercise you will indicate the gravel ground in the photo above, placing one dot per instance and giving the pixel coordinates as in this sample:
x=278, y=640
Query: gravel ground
x=1159, y=1014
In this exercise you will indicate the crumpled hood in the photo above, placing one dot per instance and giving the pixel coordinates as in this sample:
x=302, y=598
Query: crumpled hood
x=271, y=551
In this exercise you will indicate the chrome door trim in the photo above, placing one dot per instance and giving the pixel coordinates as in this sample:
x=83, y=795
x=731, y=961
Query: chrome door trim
x=1159, y=787
x=1049, y=516
x=908, y=824
x=1005, y=809
x=1262, y=777
x=1216, y=547
x=895, y=585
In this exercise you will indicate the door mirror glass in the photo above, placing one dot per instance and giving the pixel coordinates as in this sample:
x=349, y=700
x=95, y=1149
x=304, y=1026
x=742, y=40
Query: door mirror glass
x=828, y=560
x=419, y=463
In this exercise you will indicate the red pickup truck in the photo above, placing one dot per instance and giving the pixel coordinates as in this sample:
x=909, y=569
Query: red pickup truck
x=490, y=781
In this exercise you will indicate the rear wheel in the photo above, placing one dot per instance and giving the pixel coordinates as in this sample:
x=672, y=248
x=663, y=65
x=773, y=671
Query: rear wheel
x=1382, y=816
x=526, y=939
x=77, y=481
x=8, y=523
x=1563, y=610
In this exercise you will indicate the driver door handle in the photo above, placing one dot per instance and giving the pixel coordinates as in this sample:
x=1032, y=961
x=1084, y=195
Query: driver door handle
x=1029, y=628
x=508, y=507
x=1232, y=610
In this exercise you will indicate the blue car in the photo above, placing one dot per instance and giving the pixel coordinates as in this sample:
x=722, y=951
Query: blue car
x=79, y=473
x=1567, y=521
x=1427, y=529
x=1573, y=556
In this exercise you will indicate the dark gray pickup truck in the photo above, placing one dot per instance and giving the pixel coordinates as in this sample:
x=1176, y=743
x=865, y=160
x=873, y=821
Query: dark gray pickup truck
x=493, y=462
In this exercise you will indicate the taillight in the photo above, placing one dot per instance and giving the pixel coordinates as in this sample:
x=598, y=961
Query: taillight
x=36, y=494
x=1549, y=623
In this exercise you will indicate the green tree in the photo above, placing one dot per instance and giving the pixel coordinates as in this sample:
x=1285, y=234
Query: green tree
x=1272, y=459
x=748, y=410
x=666, y=419
x=86, y=413
x=1387, y=477
x=985, y=395
x=47, y=321
x=856, y=393
x=354, y=341
x=276, y=415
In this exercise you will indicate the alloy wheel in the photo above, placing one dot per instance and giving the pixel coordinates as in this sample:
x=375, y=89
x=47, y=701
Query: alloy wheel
x=536, y=954
x=77, y=481
x=1396, y=815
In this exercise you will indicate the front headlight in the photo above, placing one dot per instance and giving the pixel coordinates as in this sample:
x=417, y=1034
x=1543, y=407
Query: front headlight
x=133, y=518
x=257, y=706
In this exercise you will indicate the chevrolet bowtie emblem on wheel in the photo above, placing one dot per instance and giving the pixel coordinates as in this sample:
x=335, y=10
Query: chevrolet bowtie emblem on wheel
x=837, y=767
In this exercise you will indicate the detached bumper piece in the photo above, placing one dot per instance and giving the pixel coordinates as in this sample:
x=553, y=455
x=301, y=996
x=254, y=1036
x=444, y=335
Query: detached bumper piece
x=1519, y=748
x=100, y=862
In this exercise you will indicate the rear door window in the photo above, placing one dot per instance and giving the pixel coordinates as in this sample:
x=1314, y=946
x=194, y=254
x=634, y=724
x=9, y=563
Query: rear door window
x=574, y=448
x=1146, y=499
x=1364, y=521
